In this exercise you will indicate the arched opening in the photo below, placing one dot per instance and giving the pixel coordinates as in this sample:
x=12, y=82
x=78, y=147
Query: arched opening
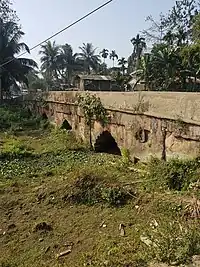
x=44, y=117
x=142, y=135
x=66, y=125
x=105, y=143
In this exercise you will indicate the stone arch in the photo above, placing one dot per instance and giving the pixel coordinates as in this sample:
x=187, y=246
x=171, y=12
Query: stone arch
x=65, y=125
x=105, y=143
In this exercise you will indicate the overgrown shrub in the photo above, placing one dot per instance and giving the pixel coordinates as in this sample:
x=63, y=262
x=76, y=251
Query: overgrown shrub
x=16, y=118
x=85, y=190
x=90, y=189
x=172, y=243
x=115, y=195
x=126, y=159
x=175, y=174
x=14, y=148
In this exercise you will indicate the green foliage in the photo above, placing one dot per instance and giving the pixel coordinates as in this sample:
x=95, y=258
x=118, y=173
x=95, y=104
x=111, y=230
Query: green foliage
x=14, y=148
x=122, y=63
x=61, y=179
x=15, y=73
x=175, y=174
x=173, y=243
x=90, y=189
x=8, y=264
x=17, y=118
x=181, y=15
x=88, y=57
x=173, y=63
x=104, y=53
x=126, y=158
x=62, y=140
x=113, y=56
x=93, y=108
x=196, y=28
x=115, y=195
x=86, y=190
x=7, y=13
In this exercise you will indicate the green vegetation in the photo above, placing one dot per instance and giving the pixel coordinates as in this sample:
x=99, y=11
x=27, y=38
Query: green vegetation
x=93, y=110
x=18, y=68
x=171, y=63
x=56, y=195
x=64, y=205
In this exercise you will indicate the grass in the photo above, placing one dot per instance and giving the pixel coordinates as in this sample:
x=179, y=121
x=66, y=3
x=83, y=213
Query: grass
x=57, y=195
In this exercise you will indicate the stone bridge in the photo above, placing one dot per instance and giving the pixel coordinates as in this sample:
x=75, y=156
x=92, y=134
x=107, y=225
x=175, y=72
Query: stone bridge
x=161, y=124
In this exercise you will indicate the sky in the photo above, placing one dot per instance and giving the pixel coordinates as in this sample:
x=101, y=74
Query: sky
x=112, y=27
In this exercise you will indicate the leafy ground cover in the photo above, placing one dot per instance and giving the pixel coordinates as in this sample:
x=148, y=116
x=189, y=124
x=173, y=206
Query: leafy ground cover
x=64, y=205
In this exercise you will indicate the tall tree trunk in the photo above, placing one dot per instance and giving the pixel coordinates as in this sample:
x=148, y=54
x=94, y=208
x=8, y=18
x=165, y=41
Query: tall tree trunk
x=164, y=135
x=90, y=132
x=113, y=63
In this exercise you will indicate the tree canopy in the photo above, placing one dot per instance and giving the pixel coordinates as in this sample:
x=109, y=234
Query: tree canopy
x=13, y=70
x=165, y=56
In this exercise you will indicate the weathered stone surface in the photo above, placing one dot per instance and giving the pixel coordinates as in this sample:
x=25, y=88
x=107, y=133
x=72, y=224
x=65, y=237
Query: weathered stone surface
x=146, y=123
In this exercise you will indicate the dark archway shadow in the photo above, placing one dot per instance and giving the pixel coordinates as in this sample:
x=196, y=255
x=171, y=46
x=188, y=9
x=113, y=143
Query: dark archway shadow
x=65, y=125
x=105, y=143
x=44, y=117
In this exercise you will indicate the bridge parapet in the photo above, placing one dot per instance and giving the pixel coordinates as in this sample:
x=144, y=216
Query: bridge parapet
x=146, y=123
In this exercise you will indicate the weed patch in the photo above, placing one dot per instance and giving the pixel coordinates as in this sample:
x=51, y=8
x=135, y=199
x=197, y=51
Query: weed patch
x=15, y=119
x=13, y=148
x=91, y=189
x=174, y=174
x=173, y=243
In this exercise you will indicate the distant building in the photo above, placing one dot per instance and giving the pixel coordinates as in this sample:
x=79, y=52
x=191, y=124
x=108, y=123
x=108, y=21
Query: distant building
x=93, y=82
x=135, y=84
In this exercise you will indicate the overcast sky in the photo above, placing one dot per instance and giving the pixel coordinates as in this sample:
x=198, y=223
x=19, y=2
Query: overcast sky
x=111, y=27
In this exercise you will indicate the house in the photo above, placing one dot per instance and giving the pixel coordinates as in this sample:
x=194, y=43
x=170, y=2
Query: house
x=136, y=85
x=93, y=82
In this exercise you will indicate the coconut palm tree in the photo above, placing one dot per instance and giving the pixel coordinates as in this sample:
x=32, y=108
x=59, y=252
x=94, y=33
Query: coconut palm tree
x=122, y=63
x=88, y=56
x=13, y=70
x=167, y=66
x=50, y=59
x=139, y=45
x=104, y=53
x=113, y=56
x=68, y=63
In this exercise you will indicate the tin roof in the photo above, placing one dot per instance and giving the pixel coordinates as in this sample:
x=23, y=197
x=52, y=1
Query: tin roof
x=95, y=77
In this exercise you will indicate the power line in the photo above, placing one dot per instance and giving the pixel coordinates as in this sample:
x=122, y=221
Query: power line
x=59, y=32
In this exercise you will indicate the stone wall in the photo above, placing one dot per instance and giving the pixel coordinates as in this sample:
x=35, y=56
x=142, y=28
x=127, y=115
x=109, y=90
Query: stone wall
x=147, y=123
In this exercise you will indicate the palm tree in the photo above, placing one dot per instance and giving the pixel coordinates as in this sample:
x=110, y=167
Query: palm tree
x=90, y=59
x=166, y=63
x=50, y=59
x=104, y=53
x=113, y=56
x=122, y=63
x=139, y=45
x=68, y=63
x=13, y=70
